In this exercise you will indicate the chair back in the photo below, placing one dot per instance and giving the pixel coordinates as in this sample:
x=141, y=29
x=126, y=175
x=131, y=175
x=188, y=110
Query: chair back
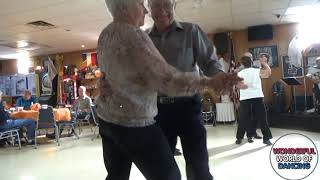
x=94, y=113
x=46, y=118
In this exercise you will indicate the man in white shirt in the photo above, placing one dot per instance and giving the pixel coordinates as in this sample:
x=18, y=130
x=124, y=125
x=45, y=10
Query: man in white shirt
x=251, y=100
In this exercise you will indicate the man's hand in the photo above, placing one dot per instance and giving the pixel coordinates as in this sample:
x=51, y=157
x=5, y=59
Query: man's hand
x=241, y=85
x=224, y=82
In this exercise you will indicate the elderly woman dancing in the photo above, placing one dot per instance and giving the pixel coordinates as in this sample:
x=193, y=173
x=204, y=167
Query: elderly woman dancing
x=134, y=73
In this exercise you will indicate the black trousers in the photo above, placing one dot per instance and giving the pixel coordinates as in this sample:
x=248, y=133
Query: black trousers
x=146, y=147
x=252, y=110
x=183, y=118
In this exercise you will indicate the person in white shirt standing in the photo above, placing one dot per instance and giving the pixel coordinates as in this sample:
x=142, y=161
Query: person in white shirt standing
x=251, y=99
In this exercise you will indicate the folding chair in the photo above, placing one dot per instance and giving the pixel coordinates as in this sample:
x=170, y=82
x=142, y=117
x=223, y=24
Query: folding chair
x=46, y=121
x=11, y=134
x=83, y=121
x=69, y=124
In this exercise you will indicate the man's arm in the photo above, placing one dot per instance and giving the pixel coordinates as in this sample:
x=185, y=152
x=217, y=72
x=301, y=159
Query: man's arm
x=155, y=73
x=19, y=102
x=4, y=115
x=265, y=71
x=89, y=102
x=204, y=53
x=34, y=99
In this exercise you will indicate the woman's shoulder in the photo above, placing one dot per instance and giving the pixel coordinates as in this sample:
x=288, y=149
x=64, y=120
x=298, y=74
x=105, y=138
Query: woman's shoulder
x=122, y=33
x=123, y=29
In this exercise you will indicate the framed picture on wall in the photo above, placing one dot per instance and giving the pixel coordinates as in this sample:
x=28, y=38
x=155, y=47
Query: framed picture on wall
x=271, y=50
x=311, y=61
x=289, y=70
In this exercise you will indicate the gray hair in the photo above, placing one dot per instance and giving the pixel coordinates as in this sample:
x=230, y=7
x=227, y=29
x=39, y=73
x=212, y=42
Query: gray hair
x=248, y=54
x=83, y=88
x=0, y=93
x=115, y=6
x=151, y=1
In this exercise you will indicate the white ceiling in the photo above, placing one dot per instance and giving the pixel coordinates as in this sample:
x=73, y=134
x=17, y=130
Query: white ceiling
x=81, y=21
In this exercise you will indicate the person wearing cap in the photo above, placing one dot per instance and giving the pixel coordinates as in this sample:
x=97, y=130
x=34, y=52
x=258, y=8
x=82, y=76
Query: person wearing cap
x=251, y=100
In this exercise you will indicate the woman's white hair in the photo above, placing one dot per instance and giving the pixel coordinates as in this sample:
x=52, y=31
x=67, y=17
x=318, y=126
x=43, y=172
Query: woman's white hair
x=151, y=1
x=115, y=6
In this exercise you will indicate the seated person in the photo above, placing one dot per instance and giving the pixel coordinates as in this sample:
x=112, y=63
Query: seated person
x=82, y=105
x=7, y=123
x=80, y=109
x=26, y=101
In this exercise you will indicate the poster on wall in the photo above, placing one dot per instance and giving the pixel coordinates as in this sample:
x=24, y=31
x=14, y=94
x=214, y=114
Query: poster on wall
x=271, y=50
x=2, y=85
x=20, y=85
x=289, y=70
x=32, y=83
x=8, y=85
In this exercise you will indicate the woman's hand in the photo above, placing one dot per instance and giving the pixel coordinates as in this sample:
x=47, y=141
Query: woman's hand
x=224, y=82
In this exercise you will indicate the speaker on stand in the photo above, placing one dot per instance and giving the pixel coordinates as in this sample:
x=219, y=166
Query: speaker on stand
x=221, y=42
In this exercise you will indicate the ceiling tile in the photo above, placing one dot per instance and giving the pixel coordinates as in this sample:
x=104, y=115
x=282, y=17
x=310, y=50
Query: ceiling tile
x=294, y=3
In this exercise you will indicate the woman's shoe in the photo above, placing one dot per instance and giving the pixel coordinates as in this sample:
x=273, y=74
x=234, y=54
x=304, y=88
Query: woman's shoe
x=250, y=140
x=267, y=142
x=238, y=141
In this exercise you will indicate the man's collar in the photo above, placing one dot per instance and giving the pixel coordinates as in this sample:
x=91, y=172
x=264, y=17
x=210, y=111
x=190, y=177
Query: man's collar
x=175, y=25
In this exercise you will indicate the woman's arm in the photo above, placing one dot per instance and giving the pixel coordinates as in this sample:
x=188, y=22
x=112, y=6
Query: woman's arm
x=265, y=71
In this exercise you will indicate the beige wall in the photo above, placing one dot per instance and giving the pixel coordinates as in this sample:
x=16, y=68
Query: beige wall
x=8, y=67
x=75, y=58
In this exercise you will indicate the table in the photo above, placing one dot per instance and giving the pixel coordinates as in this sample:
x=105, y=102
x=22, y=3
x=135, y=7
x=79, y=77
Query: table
x=34, y=115
x=225, y=112
x=60, y=114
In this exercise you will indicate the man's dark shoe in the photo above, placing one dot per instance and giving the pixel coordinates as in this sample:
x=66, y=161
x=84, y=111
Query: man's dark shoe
x=51, y=136
x=70, y=134
x=177, y=152
x=238, y=141
x=256, y=136
x=250, y=140
x=31, y=142
x=267, y=142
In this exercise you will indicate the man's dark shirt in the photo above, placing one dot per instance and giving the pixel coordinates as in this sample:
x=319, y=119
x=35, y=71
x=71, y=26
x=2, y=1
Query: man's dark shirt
x=4, y=116
x=185, y=46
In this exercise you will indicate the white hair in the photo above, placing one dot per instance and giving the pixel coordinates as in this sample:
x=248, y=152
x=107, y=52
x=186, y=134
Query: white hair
x=83, y=88
x=0, y=93
x=248, y=54
x=151, y=1
x=115, y=6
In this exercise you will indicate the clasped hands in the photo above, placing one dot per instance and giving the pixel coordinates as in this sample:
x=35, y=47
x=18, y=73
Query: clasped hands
x=223, y=83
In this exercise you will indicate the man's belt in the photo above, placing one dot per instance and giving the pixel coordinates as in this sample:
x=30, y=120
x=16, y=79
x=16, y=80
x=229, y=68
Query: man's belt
x=171, y=100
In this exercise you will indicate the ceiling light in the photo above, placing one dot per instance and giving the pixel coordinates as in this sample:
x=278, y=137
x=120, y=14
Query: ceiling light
x=303, y=10
x=23, y=62
x=22, y=44
x=83, y=46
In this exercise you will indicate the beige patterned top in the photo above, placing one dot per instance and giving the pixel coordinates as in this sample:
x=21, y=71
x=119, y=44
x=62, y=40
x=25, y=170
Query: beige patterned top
x=135, y=72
